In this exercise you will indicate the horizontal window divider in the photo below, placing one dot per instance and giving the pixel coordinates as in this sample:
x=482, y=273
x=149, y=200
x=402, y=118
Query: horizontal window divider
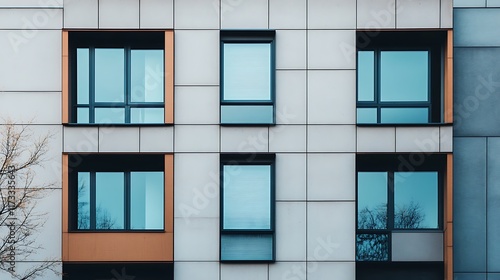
x=382, y=104
x=403, y=124
x=247, y=231
x=246, y=103
x=117, y=231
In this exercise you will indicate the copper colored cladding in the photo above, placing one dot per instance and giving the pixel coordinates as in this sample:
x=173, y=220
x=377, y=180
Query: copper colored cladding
x=448, y=79
x=169, y=76
x=168, y=69
x=120, y=246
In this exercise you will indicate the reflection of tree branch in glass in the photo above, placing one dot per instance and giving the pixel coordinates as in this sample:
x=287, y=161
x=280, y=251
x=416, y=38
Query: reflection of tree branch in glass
x=374, y=246
x=103, y=218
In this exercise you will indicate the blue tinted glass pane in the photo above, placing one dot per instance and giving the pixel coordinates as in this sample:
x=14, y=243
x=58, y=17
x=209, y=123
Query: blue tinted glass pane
x=147, y=115
x=404, y=115
x=109, y=75
x=404, y=76
x=246, y=247
x=146, y=201
x=367, y=115
x=247, y=72
x=82, y=115
x=83, y=200
x=147, y=76
x=416, y=200
x=247, y=197
x=82, y=76
x=109, y=115
x=372, y=247
x=257, y=114
x=109, y=201
x=366, y=76
x=372, y=200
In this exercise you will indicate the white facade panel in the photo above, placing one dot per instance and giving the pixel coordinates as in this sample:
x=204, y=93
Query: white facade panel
x=196, y=14
x=417, y=139
x=156, y=139
x=81, y=139
x=197, y=105
x=331, y=177
x=196, y=270
x=244, y=14
x=287, y=138
x=418, y=14
x=197, y=239
x=328, y=14
x=38, y=107
x=331, y=49
x=197, y=138
x=119, y=14
x=287, y=14
x=291, y=97
x=81, y=14
x=156, y=14
x=118, y=139
x=244, y=271
x=332, y=97
x=376, y=139
x=244, y=139
x=331, y=138
x=291, y=49
x=31, y=19
x=376, y=14
x=290, y=176
x=290, y=231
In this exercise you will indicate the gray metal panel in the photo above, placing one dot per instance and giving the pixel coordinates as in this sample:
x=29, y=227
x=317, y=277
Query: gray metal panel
x=477, y=91
x=469, y=276
x=493, y=276
x=417, y=246
x=469, y=204
x=493, y=202
x=477, y=27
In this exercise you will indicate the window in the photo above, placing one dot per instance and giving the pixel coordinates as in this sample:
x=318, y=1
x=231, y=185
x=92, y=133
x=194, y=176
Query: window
x=118, y=77
x=247, y=208
x=117, y=192
x=395, y=196
x=399, y=77
x=247, y=77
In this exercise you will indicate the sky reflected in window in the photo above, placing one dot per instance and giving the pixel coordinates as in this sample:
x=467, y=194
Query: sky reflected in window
x=247, y=71
x=247, y=196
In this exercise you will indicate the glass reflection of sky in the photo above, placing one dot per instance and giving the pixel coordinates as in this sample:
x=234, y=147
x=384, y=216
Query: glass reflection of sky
x=419, y=188
x=109, y=75
x=404, y=115
x=404, y=75
x=247, y=71
x=372, y=194
x=110, y=193
x=247, y=197
x=147, y=75
x=82, y=76
x=146, y=200
x=366, y=76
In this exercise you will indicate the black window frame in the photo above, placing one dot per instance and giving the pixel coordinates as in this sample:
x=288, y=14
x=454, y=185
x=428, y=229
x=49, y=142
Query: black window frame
x=248, y=37
x=93, y=163
x=432, y=41
x=249, y=159
x=397, y=163
x=127, y=40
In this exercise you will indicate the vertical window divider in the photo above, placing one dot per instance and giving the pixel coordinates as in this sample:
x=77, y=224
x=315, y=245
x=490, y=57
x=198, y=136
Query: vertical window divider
x=377, y=87
x=93, y=200
x=128, y=198
x=390, y=200
x=92, y=85
x=128, y=83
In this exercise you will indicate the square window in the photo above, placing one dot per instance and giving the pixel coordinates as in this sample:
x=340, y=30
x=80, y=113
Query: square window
x=247, y=208
x=120, y=77
x=247, y=77
x=399, y=77
x=117, y=192
x=394, y=197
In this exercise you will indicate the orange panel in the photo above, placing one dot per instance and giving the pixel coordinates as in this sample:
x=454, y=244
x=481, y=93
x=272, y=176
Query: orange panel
x=448, y=79
x=449, y=189
x=169, y=77
x=65, y=78
x=120, y=247
x=169, y=193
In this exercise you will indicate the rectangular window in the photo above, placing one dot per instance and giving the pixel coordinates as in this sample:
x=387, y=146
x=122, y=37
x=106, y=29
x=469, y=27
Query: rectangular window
x=118, y=77
x=247, y=77
x=399, y=77
x=395, y=196
x=247, y=208
x=117, y=192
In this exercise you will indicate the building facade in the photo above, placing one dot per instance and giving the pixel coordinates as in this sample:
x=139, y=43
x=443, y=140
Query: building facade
x=243, y=139
x=476, y=140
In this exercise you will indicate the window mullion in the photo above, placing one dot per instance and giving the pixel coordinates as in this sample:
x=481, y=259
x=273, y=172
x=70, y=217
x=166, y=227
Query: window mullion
x=390, y=201
x=128, y=82
x=127, y=203
x=92, y=85
x=92, y=201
